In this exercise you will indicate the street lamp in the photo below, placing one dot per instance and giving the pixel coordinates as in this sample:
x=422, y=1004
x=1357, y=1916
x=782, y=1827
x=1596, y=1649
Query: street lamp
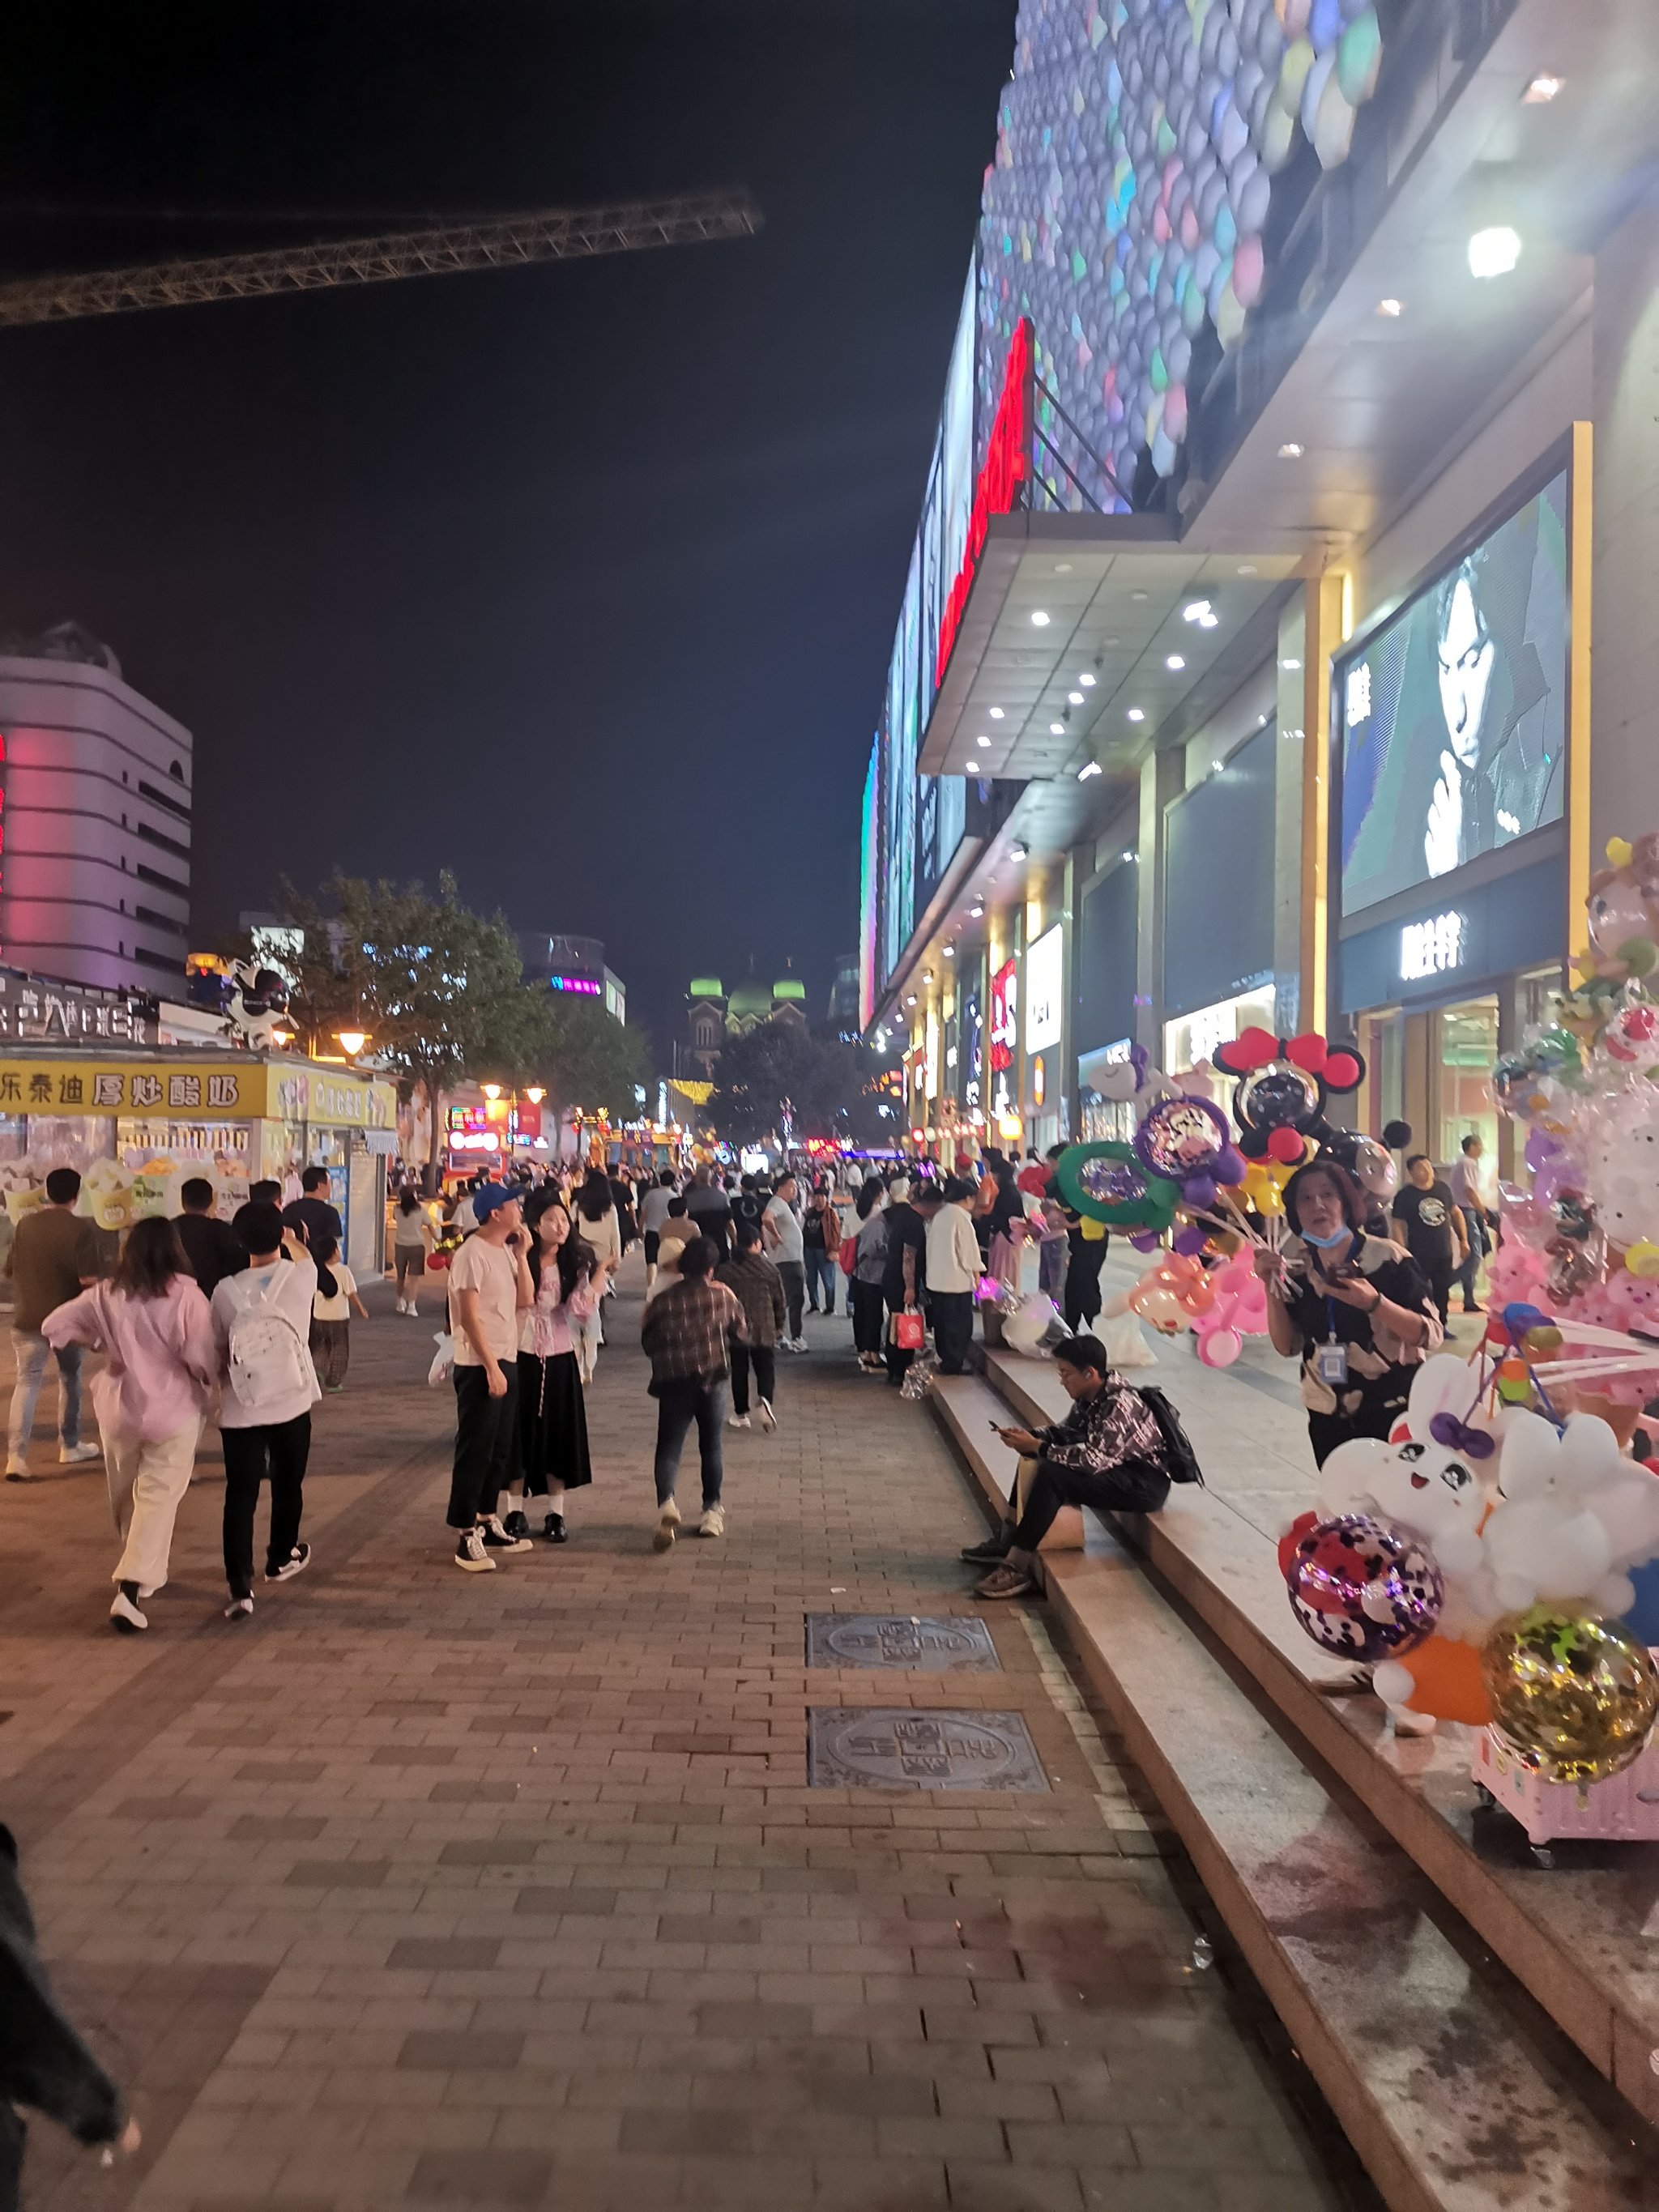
x=535, y=1094
x=492, y=1090
x=353, y=1041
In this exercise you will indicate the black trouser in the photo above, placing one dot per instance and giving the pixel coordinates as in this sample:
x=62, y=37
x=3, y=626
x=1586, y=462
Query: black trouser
x=486, y=1443
x=1440, y=1277
x=653, y=1244
x=794, y=1275
x=764, y=1361
x=898, y=1363
x=867, y=1310
x=1370, y=1417
x=1134, y=1487
x=953, y=1328
x=279, y=1450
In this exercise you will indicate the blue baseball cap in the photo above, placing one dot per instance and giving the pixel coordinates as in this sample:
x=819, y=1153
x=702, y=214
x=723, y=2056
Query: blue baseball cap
x=493, y=1197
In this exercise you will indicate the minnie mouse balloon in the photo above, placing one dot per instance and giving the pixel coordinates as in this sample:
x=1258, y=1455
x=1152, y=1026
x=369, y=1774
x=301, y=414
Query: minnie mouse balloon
x=1184, y=1140
x=1361, y=1587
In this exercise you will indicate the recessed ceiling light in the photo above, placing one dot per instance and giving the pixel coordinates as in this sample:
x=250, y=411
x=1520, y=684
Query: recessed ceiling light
x=1088, y=682
x=1018, y=853
x=911, y=1001
x=1290, y=664
x=1542, y=90
x=1137, y=595
x=1262, y=722
x=1126, y=854
x=975, y=911
x=1289, y=451
x=1247, y=568
x=996, y=714
x=926, y=975
x=1039, y=620
x=981, y=741
x=1174, y=660
x=1056, y=729
x=1195, y=611
x=1074, y=698
x=1135, y=714
x=1089, y=768
x=1494, y=253
x=1390, y=307
x=1216, y=767
x=950, y=951
x=1062, y=567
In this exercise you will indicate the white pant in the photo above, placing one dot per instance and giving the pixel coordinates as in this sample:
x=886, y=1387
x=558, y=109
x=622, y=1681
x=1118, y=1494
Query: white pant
x=146, y=1482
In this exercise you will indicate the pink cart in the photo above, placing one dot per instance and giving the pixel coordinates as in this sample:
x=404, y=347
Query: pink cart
x=1623, y=1809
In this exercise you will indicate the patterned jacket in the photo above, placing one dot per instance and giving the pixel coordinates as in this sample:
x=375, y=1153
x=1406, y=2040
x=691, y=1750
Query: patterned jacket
x=758, y=1288
x=684, y=1332
x=1113, y=1426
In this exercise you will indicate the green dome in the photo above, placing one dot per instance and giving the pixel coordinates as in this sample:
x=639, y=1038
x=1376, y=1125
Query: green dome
x=750, y=998
x=791, y=987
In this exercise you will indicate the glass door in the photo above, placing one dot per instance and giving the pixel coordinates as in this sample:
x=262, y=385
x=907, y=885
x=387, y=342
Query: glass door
x=1468, y=1046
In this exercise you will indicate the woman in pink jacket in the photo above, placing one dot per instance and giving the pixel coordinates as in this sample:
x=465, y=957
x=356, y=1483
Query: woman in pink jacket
x=151, y=1320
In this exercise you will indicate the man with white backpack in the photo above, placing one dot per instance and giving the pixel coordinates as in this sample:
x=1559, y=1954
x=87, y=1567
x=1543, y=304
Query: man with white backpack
x=261, y=1324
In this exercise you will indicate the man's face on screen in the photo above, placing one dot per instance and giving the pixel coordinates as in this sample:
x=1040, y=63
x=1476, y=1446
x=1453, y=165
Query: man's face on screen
x=1466, y=654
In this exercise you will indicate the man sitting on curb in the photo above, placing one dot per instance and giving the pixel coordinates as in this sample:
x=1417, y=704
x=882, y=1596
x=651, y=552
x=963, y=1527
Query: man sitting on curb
x=1108, y=1452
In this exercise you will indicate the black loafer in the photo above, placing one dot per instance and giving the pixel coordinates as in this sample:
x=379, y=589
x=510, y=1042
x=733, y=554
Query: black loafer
x=555, y=1530
x=990, y=1553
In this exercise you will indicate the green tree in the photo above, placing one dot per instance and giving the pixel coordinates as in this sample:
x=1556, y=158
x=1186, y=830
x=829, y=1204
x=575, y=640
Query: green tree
x=439, y=989
x=580, y=1054
x=780, y=1078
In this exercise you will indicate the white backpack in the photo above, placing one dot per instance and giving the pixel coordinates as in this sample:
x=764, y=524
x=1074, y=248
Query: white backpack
x=269, y=1361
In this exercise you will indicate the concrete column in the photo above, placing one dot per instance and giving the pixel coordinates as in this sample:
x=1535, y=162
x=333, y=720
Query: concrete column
x=1323, y=604
x=1163, y=779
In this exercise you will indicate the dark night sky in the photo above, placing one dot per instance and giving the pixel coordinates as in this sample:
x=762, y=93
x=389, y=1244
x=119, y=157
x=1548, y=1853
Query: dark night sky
x=580, y=580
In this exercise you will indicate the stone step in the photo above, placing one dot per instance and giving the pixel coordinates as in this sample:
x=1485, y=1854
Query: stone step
x=1579, y=1936
x=1456, y=2091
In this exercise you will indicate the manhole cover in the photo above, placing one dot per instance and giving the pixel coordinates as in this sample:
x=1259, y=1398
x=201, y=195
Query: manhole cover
x=952, y=1645
x=889, y=1747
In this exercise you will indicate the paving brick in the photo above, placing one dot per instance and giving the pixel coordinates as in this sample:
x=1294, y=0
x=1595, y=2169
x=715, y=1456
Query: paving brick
x=480, y=2177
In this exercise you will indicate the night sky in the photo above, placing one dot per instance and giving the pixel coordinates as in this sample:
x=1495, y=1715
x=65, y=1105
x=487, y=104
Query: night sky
x=580, y=580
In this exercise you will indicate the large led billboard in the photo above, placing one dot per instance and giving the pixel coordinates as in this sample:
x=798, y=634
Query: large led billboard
x=869, y=883
x=1453, y=713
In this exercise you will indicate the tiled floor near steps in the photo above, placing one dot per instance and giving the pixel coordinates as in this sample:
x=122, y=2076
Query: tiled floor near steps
x=423, y=1887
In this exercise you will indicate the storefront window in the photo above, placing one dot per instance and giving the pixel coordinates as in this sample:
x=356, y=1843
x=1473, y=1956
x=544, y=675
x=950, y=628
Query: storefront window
x=1386, y=1070
x=1534, y=994
x=1193, y=1039
x=1468, y=1048
x=158, y=1156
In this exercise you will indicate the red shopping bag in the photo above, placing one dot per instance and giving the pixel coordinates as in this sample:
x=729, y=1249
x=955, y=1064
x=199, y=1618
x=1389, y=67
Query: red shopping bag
x=908, y=1331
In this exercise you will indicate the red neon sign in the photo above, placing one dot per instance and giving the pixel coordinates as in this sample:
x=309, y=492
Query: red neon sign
x=1007, y=464
x=1005, y=1013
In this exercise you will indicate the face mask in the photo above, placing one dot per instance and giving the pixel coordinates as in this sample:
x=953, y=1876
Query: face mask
x=1326, y=1243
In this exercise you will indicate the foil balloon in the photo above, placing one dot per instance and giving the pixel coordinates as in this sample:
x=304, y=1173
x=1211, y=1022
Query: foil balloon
x=1574, y=1696
x=1185, y=1140
x=1106, y=1181
x=1361, y=1587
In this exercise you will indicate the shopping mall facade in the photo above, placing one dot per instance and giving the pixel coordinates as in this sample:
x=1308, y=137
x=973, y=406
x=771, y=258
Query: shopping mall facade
x=1299, y=436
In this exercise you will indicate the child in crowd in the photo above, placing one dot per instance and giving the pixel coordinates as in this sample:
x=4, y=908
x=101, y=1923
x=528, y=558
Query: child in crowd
x=331, y=1313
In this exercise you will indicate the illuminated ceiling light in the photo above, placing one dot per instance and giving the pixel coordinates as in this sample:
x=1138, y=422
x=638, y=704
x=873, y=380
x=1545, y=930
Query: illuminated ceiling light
x=1391, y=307
x=911, y=1001
x=926, y=975
x=1039, y=620
x=1126, y=854
x=1289, y=451
x=995, y=713
x=1290, y=664
x=1216, y=767
x=1088, y=769
x=1135, y=714
x=975, y=910
x=981, y=741
x=1542, y=90
x=1174, y=660
x=1088, y=682
x=1262, y=722
x=950, y=951
x=1195, y=611
x=1247, y=568
x=1137, y=595
x=1494, y=253
x=1062, y=567
x=1056, y=729
x=1018, y=852
x=1074, y=698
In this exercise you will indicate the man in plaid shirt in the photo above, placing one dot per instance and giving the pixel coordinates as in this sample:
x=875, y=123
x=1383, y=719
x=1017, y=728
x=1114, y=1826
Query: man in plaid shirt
x=684, y=1334
x=1108, y=1452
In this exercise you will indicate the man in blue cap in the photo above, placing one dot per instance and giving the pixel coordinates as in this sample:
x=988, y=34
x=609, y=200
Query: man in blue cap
x=490, y=1291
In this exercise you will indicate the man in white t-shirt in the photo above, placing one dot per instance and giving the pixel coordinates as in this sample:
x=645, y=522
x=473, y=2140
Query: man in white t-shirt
x=653, y=1212
x=781, y=1228
x=490, y=1291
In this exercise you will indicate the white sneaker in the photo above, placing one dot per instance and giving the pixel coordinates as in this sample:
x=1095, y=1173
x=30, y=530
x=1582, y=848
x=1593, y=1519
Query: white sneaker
x=668, y=1527
x=401, y=1307
x=125, y=1615
x=768, y=1419
x=17, y=1470
x=78, y=1455
x=471, y=1556
x=739, y=1420
x=239, y=1609
x=712, y=1522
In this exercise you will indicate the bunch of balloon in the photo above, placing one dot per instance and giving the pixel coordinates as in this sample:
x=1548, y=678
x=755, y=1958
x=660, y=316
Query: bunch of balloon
x=1173, y=1293
x=1235, y=1307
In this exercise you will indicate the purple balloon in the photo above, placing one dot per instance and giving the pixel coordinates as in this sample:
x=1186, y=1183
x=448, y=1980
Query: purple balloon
x=1191, y=1238
x=1232, y=1167
x=1543, y=1148
x=1198, y=1190
x=1145, y=1240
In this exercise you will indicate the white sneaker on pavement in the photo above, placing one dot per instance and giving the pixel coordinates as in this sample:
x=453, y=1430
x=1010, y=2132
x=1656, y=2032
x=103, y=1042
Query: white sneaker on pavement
x=471, y=1556
x=125, y=1615
x=768, y=1419
x=78, y=1455
x=712, y=1522
x=739, y=1420
x=668, y=1527
x=17, y=1470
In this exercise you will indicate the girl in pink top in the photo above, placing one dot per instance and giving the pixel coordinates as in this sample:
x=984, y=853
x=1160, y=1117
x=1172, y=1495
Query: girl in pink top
x=151, y=1320
x=570, y=1279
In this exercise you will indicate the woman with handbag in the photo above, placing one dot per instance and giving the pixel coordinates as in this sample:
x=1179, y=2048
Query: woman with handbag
x=905, y=1279
x=869, y=1248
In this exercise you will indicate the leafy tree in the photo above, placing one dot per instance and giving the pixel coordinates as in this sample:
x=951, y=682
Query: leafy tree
x=581, y=1055
x=780, y=1074
x=439, y=989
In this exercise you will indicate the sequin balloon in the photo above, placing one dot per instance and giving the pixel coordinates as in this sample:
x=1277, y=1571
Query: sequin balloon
x=1363, y=1588
x=1573, y=1696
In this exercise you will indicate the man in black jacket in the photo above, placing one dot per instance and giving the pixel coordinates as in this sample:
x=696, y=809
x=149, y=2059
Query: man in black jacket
x=43, y=2062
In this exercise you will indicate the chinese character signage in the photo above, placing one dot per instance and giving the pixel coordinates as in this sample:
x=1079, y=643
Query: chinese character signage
x=70, y=1086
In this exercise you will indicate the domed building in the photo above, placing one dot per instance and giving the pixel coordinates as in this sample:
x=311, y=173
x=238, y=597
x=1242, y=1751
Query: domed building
x=713, y=1015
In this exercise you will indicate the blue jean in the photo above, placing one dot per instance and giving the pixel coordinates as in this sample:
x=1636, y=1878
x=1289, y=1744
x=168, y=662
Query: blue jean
x=679, y=1404
x=822, y=1267
x=31, y=1351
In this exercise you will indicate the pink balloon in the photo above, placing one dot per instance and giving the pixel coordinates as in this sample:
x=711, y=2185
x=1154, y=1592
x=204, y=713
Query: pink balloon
x=1220, y=1347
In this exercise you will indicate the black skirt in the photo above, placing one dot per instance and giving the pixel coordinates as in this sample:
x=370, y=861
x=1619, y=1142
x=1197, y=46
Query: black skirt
x=552, y=1423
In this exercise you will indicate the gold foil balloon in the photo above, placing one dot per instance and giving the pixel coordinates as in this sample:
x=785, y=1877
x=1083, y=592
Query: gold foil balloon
x=1574, y=1696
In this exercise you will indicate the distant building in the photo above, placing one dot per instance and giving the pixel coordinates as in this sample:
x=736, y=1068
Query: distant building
x=573, y=966
x=712, y=1014
x=844, y=995
x=94, y=873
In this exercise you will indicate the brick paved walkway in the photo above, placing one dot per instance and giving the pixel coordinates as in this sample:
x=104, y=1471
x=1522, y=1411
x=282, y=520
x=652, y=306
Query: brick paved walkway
x=508, y=1889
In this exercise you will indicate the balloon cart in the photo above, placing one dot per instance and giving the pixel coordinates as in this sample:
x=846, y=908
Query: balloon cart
x=1623, y=1808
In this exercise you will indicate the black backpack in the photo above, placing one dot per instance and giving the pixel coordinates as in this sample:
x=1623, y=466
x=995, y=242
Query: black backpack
x=1180, y=1461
